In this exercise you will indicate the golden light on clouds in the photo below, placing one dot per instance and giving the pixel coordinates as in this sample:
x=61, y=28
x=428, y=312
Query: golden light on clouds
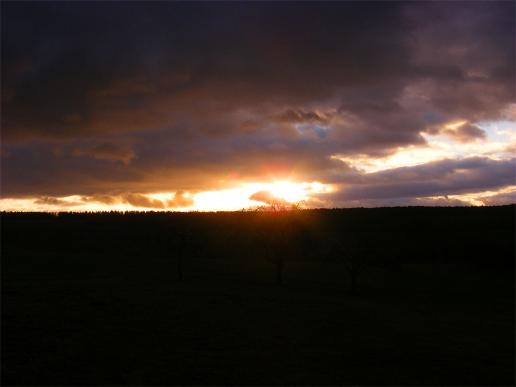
x=229, y=199
x=455, y=124
x=499, y=144
x=402, y=157
x=480, y=198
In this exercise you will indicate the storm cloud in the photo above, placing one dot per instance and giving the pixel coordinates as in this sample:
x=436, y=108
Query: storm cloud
x=113, y=99
x=444, y=177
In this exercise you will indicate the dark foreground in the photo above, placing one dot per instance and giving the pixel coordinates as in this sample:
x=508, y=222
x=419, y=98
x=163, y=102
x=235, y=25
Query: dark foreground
x=96, y=299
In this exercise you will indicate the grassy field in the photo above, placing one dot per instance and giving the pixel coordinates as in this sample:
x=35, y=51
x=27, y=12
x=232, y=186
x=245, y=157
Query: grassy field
x=79, y=319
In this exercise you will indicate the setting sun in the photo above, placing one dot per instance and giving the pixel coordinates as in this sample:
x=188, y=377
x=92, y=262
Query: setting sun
x=288, y=191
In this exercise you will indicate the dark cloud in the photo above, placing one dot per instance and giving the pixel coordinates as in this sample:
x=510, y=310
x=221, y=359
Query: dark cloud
x=141, y=97
x=105, y=151
x=466, y=133
x=301, y=116
x=81, y=85
x=437, y=178
x=461, y=131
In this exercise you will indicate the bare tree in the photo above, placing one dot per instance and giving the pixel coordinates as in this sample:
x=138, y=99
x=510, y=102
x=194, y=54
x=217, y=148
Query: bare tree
x=276, y=232
x=356, y=251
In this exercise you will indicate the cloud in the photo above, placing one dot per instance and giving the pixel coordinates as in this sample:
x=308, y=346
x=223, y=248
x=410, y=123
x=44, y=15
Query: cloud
x=177, y=200
x=462, y=131
x=267, y=198
x=161, y=105
x=500, y=198
x=106, y=151
x=511, y=148
x=467, y=133
x=52, y=201
x=300, y=116
x=103, y=199
x=150, y=86
x=180, y=200
x=138, y=200
x=437, y=178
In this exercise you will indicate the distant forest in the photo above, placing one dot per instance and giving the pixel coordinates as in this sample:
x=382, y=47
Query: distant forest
x=358, y=238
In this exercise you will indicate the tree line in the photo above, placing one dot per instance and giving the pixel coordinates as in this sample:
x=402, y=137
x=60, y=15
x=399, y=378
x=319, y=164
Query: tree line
x=356, y=239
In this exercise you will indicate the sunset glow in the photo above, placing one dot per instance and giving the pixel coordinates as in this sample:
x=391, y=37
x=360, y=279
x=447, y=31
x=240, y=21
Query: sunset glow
x=230, y=199
x=242, y=114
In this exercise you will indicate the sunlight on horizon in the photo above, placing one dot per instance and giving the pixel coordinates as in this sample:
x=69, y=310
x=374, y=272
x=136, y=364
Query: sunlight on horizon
x=498, y=144
x=480, y=198
x=230, y=199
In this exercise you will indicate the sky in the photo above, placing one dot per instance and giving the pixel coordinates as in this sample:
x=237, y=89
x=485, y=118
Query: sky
x=222, y=106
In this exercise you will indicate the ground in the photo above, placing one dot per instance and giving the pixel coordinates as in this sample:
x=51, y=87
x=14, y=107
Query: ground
x=125, y=320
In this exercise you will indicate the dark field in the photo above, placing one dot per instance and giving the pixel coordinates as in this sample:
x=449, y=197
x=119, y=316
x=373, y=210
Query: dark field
x=96, y=299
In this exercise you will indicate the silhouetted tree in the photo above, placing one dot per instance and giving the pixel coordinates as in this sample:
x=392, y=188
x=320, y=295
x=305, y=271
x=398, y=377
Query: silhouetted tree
x=356, y=251
x=276, y=234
